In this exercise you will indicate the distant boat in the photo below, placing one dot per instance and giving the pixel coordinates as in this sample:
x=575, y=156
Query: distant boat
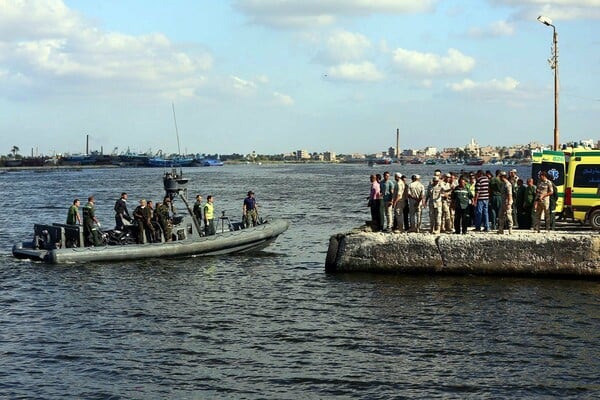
x=380, y=161
x=415, y=161
x=211, y=162
x=129, y=159
x=474, y=161
x=77, y=159
x=178, y=161
x=13, y=162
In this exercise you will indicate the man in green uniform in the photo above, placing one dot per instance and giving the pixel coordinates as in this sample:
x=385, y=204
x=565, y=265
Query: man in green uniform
x=90, y=224
x=73, y=217
x=495, y=199
x=143, y=216
x=461, y=198
x=164, y=219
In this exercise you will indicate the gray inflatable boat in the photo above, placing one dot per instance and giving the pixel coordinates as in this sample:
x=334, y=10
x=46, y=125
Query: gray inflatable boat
x=60, y=243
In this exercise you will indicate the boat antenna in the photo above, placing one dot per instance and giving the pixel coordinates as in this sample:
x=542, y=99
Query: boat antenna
x=176, y=130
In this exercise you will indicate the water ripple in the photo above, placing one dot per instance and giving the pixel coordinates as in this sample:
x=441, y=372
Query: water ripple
x=274, y=325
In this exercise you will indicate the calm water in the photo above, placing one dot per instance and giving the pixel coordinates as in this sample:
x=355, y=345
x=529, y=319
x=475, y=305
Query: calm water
x=274, y=325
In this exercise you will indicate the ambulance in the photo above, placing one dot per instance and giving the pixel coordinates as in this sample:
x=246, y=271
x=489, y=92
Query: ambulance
x=582, y=193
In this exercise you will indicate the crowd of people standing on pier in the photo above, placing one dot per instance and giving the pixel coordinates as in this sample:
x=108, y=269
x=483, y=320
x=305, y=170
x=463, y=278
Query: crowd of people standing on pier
x=487, y=202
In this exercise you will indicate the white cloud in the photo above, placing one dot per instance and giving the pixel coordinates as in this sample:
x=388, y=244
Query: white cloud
x=47, y=45
x=344, y=46
x=498, y=28
x=311, y=13
x=242, y=85
x=283, y=99
x=357, y=72
x=428, y=64
x=555, y=9
x=507, y=84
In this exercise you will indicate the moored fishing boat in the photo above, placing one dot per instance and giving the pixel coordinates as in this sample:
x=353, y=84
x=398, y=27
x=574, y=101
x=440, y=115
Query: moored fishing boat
x=60, y=243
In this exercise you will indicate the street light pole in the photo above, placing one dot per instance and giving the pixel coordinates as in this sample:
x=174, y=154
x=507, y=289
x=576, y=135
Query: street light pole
x=554, y=65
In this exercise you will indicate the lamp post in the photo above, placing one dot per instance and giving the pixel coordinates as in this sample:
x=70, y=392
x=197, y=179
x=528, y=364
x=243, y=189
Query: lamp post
x=554, y=65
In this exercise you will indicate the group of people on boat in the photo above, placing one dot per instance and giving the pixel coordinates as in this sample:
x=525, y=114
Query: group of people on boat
x=205, y=212
x=455, y=202
x=149, y=219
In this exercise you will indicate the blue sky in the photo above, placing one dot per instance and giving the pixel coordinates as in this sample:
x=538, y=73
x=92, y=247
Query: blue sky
x=274, y=76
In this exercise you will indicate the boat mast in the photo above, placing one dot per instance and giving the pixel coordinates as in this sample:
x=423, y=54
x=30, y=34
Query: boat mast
x=176, y=130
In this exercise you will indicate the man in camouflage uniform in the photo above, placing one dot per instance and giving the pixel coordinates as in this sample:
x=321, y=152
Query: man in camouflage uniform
x=434, y=201
x=416, y=195
x=506, y=216
x=164, y=219
x=542, y=202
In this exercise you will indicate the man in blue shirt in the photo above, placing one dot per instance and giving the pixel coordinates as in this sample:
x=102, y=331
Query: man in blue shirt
x=250, y=210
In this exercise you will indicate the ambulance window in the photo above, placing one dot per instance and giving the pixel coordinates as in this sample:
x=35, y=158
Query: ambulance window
x=555, y=170
x=587, y=176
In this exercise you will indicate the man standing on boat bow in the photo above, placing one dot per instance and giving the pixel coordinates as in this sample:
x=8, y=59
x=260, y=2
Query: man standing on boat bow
x=250, y=210
x=121, y=212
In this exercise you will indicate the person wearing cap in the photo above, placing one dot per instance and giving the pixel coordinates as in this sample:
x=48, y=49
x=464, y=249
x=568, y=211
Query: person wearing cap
x=250, y=210
x=416, y=195
x=512, y=176
x=433, y=199
x=461, y=198
x=507, y=201
x=399, y=202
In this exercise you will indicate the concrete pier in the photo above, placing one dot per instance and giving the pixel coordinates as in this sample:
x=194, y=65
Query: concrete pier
x=555, y=253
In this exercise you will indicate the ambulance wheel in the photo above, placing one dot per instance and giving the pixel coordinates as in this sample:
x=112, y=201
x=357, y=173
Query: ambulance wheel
x=595, y=219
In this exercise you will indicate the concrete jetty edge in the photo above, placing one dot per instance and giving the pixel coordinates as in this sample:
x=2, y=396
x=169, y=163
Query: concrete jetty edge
x=523, y=253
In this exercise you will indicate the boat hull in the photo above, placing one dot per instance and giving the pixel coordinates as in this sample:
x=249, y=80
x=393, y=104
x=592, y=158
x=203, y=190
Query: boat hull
x=228, y=242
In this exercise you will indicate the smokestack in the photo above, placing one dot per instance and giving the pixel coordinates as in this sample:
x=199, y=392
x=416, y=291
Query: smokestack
x=397, y=143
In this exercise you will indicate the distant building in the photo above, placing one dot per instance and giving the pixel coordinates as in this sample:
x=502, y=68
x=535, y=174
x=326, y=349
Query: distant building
x=329, y=156
x=302, y=155
x=473, y=147
x=587, y=143
x=358, y=156
x=431, y=151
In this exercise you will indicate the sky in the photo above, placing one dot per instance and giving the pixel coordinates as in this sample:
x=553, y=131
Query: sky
x=275, y=76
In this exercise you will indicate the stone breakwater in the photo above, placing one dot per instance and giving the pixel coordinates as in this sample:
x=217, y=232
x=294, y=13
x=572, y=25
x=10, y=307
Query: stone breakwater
x=560, y=254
